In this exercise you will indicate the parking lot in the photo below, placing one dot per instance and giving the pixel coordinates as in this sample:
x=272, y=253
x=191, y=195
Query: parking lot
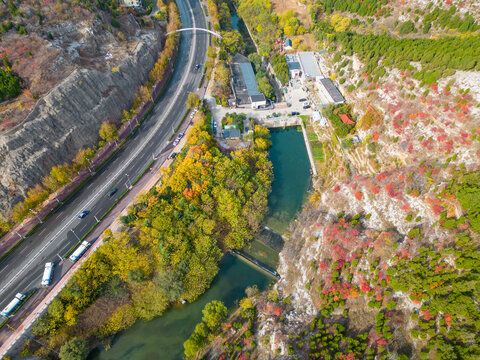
x=280, y=112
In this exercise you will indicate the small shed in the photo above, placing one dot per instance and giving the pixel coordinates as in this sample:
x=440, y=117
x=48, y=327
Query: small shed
x=231, y=134
x=258, y=101
x=287, y=44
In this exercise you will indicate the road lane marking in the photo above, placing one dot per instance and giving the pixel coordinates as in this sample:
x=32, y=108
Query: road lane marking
x=126, y=163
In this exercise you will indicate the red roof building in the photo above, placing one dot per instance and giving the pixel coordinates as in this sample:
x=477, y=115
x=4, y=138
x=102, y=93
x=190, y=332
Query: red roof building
x=346, y=119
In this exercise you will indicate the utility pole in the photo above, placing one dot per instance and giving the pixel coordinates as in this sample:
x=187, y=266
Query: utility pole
x=14, y=232
x=33, y=212
x=75, y=235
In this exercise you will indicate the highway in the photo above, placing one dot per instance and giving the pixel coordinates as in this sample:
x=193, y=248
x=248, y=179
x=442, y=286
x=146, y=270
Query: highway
x=22, y=270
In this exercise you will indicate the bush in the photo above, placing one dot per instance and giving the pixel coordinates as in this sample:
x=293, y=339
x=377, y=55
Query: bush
x=9, y=85
x=75, y=349
x=115, y=23
x=407, y=27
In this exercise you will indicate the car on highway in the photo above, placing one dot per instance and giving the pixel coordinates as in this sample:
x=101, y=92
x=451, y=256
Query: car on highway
x=197, y=66
x=83, y=214
x=112, y=192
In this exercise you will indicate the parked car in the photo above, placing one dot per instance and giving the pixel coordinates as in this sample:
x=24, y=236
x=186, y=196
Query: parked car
x=112, y=192
x=83, y=214
x=306, y=106
x=302, y=100
x=172, y=155
x=176, y=141
x=295, y=113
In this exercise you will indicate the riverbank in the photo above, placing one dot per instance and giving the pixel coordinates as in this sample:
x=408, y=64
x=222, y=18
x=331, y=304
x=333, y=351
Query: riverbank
x=163, y=337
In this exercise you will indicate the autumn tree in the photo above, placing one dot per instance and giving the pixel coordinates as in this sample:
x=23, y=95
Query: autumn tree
x=82, y=159
x=108, y=131
x=192, y=100
x=232, y=42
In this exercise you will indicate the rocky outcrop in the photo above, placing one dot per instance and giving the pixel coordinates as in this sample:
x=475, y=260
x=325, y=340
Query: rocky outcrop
x=68, y=118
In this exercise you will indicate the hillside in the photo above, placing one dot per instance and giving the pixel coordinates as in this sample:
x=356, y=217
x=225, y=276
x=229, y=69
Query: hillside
x=383, y=260
x=61, y=52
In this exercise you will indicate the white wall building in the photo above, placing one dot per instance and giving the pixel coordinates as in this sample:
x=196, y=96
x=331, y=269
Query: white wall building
x=133, y=3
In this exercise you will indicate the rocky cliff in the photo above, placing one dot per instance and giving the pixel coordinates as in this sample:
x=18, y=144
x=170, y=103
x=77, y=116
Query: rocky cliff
x=68, y=118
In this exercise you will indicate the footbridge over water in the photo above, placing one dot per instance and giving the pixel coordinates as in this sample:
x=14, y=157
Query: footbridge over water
x=195, y=29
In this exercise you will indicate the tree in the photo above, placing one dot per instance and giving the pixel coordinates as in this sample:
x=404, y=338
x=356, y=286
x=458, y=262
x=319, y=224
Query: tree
x=61, y=174
x=407, y=27
x=108, y=131
x=193, y=344
x=265, y=88
x=232, y=42
x=144, y=93
x=214, y=313
x=9, y=85
x=75, y=349
x=82, y=158
x=192, y=100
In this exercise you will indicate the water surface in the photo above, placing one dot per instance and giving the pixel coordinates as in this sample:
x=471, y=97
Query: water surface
x=291, y=177
x=163, y=337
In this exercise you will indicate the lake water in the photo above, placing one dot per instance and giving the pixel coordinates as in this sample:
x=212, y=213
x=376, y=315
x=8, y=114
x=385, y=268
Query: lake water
x=163, y=337
x=291, y=181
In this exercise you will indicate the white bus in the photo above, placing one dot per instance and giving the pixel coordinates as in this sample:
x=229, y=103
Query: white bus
x=79, y=251
x=47, y=274
x=12, y=305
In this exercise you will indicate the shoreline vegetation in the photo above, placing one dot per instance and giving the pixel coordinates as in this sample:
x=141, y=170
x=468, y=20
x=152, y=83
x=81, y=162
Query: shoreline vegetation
x=174, y=236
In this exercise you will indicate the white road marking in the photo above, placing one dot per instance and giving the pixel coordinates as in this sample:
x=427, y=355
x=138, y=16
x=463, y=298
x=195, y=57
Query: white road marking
x=125, y=165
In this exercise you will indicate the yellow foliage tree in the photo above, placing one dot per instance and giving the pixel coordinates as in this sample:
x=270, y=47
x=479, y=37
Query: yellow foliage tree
x=340, y=23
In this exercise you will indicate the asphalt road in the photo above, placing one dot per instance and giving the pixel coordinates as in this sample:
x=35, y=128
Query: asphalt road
x=22, y=270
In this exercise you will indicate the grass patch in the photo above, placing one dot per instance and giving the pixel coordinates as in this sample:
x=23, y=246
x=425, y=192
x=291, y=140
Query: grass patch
x=4, y=323
x=317, y=151
x=263, y=253
x=312, y=136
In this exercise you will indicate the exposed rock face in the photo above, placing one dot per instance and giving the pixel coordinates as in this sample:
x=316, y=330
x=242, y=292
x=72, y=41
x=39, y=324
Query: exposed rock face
x=68, y=118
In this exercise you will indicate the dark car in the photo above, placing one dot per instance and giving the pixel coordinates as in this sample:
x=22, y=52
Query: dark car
x=83, y=214
x=302, y=100
x=172, y=155
x=295, y=113
x=197, y=66
x=112, y=192
x=306, y=106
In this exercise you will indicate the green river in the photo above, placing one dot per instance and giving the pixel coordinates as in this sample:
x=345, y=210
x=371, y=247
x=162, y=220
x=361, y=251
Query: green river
x=163, y=337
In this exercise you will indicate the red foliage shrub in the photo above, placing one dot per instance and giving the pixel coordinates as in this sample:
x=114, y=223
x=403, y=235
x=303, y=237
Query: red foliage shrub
x=358, y=195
